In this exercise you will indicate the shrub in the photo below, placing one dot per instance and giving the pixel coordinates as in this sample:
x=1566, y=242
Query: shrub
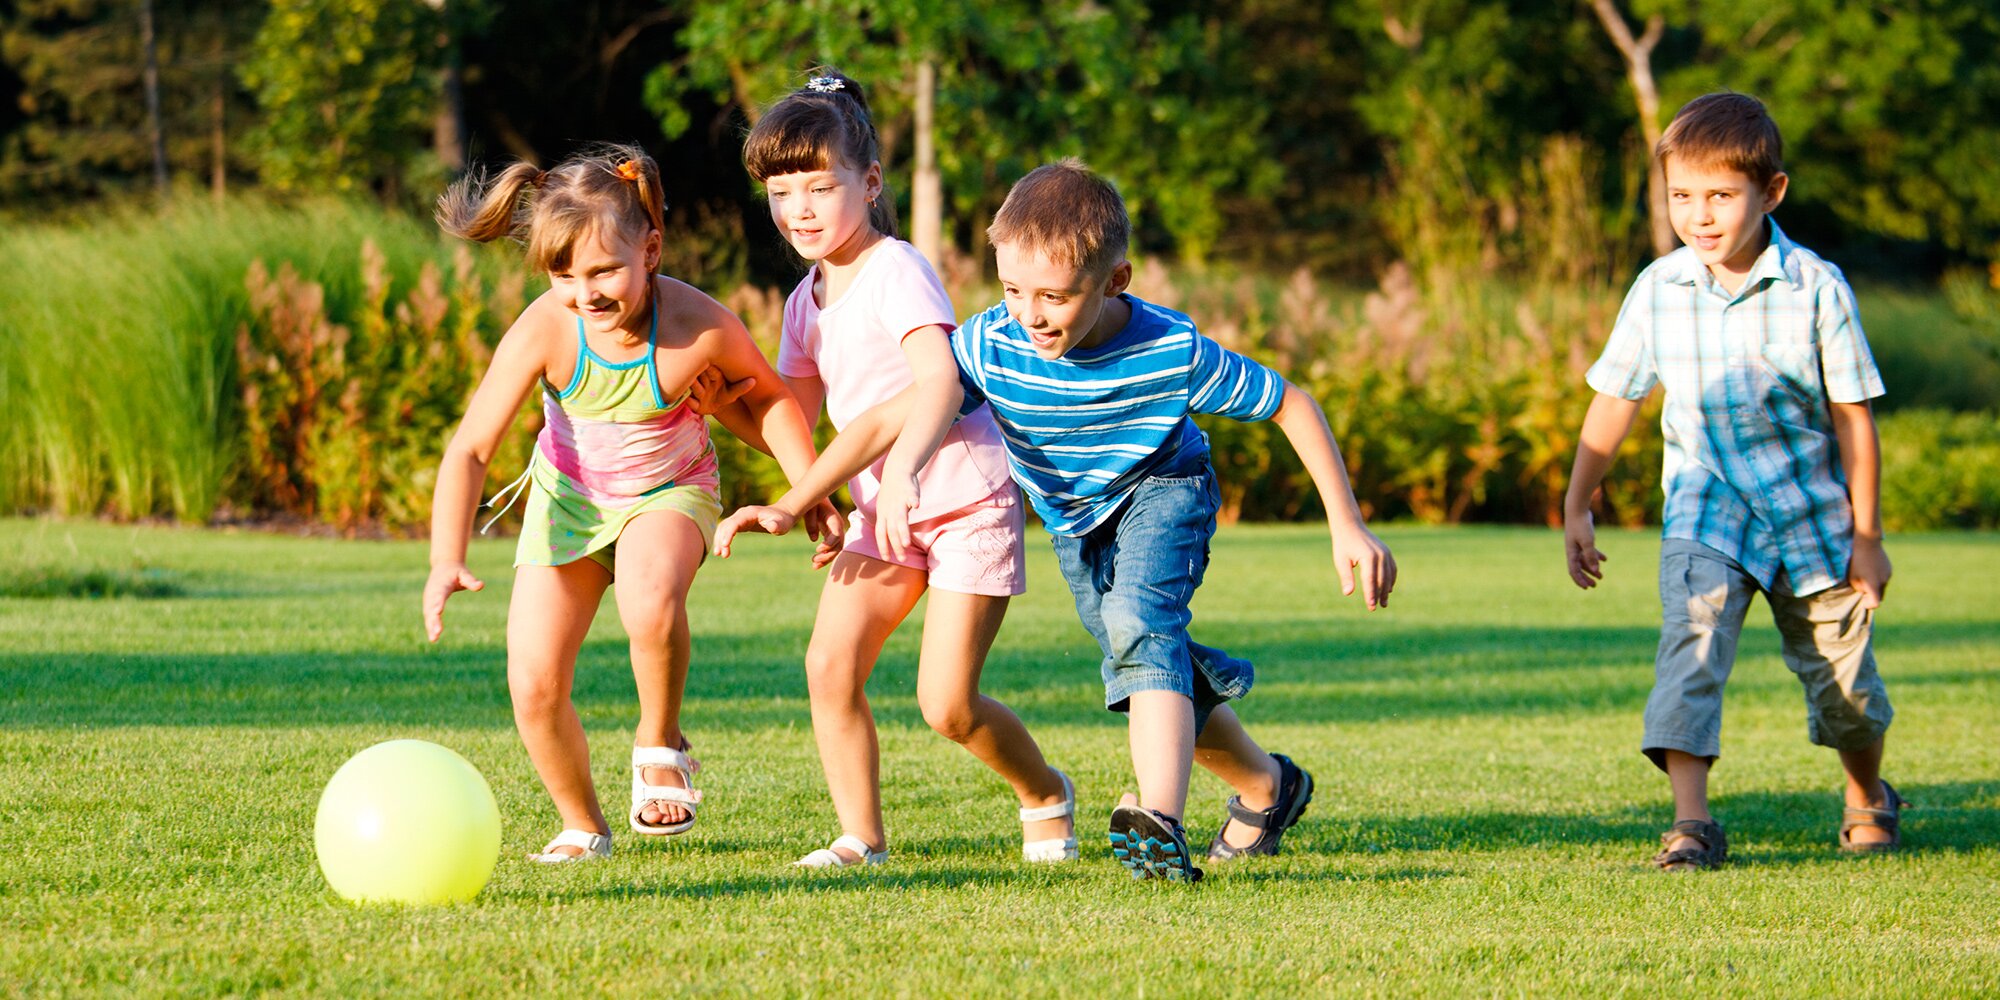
x=1940, y=470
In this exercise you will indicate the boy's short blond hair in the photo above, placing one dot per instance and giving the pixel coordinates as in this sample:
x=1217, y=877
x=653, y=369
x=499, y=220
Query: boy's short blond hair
x=1067, y=213
x=1725, y=129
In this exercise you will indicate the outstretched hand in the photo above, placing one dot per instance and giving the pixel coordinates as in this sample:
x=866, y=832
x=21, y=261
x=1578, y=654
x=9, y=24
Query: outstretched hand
x=770, y=520
x=712, y=390
x=1363, y=560
x=1586, y=563
x=444, y=582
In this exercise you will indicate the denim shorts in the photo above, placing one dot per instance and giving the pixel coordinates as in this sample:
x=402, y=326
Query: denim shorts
x=1825, y=636
x=1133, y=576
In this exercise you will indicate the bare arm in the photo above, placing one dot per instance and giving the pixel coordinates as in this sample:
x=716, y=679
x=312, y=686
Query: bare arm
x=1356, y=550
x=1609, y=419
x=1861, y=460
x=517, y=363
x=856, y=447
x=932, y=413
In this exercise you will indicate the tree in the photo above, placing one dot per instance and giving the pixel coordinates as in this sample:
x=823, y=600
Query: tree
x=348, y=91
x=1891, y=111
x=83, y=128
x=1638, y=53
x=1156, y=99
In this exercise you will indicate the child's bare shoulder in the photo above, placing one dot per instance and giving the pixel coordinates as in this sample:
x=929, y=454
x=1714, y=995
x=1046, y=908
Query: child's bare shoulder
x=542, y=327
x=696, y=317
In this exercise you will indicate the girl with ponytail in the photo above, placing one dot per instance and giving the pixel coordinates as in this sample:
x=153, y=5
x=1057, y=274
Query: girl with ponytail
x=623, y=483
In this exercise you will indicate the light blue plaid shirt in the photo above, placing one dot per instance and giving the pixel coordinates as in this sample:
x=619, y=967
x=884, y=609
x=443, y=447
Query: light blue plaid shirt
x=1752, y=466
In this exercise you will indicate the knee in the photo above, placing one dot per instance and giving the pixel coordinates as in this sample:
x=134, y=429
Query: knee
x=832, y=678
x=659, y=623
x=536, y=694
x=951, y=718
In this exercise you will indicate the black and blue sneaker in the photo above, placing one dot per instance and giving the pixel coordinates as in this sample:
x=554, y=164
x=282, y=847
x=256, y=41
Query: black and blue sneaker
x=1152, y=845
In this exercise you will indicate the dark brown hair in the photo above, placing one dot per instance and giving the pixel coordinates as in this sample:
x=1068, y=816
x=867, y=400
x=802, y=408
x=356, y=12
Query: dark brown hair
x=1067, y=213
x=1725, y=129
x=610, y=188
x=820, y=125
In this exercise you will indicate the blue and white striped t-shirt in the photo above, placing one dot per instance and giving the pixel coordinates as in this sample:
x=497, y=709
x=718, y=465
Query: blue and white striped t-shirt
x=1084, y=429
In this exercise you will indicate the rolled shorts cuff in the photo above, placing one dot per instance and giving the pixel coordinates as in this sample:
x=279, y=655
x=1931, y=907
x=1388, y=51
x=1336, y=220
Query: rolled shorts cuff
x=1656, y=744
x=1860, y=736
x=1123, y=683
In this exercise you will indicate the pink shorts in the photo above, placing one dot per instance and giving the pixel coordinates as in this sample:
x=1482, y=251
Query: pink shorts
x=976, y=549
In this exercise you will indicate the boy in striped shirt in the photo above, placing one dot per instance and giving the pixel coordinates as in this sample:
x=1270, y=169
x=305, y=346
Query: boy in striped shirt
x=1772, y=472
x=1092, y=389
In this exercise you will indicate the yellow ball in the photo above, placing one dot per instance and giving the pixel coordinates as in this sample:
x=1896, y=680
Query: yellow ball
x=407, y=822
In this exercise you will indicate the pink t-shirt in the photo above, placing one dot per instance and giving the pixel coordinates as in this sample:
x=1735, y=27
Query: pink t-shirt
x=855, y=347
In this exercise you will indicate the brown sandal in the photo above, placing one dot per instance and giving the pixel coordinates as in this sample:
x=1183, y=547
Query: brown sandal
x=1889, y=820
x=1714, y=849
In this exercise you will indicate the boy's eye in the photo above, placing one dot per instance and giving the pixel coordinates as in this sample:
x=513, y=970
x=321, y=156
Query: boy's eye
x=822, y=190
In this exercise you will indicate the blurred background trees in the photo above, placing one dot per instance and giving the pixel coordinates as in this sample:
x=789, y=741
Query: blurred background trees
x=1426, y=210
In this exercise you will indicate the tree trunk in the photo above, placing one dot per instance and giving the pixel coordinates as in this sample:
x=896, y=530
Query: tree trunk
x=927, y=191
x=1638, y=53
x=152, y=83
x=448, y=130
x=218, y=147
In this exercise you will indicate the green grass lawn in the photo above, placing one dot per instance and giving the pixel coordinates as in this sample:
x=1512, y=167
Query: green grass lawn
x=1481, y=825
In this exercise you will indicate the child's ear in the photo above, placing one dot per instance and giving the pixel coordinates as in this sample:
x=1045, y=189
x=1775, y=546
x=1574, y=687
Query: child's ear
x=1120, y=279
x=653, y=245
x=1774, y=190
x=872, y=183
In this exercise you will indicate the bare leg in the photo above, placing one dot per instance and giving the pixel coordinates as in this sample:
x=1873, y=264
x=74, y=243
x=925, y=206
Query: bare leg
x=546, y=622
x=1227, y=751
x=864, y=600
x=1162, y=738
x=958, y=633
x=1864, y=789
x=1689, y=776
x=657, y=557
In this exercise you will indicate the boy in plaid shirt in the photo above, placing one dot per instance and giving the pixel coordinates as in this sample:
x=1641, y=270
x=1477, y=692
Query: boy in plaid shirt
x=1771, y=473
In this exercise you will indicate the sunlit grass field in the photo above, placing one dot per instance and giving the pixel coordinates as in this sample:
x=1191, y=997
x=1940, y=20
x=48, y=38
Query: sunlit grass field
x=1481, y=825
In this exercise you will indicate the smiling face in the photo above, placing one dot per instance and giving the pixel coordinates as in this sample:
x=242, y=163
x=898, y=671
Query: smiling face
x=1060, y=306
x=823, y=214
x=608, y=280
x=1719, y=212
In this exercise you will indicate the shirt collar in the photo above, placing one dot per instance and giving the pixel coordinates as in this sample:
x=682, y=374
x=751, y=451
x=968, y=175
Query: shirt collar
x=1778, y=262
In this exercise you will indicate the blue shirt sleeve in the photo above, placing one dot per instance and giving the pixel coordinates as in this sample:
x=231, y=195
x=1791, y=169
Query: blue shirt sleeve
x=1845, y=361
x=965, y=349
x=1228, y=384
x=1625, y=369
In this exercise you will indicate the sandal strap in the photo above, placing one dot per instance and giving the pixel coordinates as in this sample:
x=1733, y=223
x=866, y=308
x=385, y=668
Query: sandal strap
x=665, y=757
x=1254, y=818
x=594, y=843
x=860, y=847
x=1066, y=807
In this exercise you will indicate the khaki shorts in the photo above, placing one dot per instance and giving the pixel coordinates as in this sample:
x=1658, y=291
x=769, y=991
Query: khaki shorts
x=1704, y=596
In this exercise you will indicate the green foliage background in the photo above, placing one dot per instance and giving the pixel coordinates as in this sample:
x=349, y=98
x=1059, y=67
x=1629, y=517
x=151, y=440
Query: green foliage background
x=1424, y=211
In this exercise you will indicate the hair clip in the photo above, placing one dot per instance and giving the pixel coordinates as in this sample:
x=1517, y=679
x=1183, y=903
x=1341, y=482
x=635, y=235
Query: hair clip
x=629, y=170
x=825, y=84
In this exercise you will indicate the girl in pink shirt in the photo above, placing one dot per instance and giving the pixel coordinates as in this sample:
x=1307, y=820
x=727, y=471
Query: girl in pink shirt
x=869, y=321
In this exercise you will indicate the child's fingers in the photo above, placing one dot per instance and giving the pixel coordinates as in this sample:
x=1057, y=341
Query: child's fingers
x=1346, y=567
x=1871, y=595
x=724, y=532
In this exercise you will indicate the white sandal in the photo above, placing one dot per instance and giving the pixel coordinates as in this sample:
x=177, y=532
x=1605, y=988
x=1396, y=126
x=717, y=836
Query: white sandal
x=827, y=857
x=596, y=847
x=644, y=794
x=1059, y=848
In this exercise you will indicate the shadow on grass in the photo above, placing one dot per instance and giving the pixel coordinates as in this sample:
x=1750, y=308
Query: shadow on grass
x=1765, y=828
x=749, y=682
x=796, y=881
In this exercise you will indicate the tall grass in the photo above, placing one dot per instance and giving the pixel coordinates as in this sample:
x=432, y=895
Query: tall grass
x=117, y=363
